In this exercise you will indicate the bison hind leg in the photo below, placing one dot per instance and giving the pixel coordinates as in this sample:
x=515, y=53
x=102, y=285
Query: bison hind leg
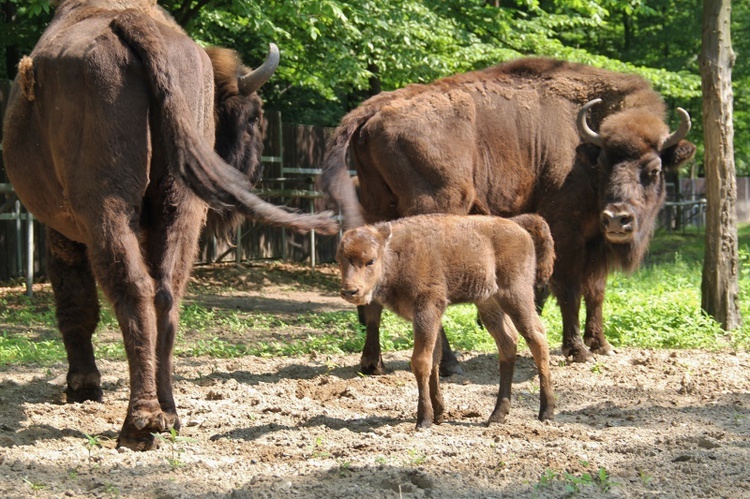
x=77, y=312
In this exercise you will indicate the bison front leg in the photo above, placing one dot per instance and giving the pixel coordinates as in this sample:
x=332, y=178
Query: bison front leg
x=425, y=364
x=569, y=299
x=593, y=335
x=77, y=310
x=449, y=364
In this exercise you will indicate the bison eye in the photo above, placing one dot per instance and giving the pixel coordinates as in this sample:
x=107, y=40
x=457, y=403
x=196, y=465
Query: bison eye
x=371, y=262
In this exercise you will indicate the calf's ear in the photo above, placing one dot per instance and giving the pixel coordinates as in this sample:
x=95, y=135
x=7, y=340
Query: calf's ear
x=385, y=231
x=676, y=155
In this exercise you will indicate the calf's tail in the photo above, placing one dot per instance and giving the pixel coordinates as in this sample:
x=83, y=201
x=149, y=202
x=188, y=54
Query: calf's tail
x=543, y=245
x=335, y=180
x=191, y=157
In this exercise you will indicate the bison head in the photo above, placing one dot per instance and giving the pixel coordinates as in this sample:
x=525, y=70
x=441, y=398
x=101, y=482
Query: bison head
x=239, y=118
x=631, y=152
x=361, y=258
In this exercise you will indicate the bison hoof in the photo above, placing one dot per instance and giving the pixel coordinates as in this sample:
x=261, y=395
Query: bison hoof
x=496, y=418
x=450, y=367
x=374, y=368
x=424, y=424
x=83, y=387
x=142, y=424
x=578, y=353
x=547, y=414
x=604, y=350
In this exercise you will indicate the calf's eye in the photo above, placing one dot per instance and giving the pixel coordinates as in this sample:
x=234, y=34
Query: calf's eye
x=371, y=262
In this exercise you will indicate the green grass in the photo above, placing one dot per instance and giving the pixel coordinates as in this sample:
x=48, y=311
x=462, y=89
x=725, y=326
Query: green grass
x=656, y=307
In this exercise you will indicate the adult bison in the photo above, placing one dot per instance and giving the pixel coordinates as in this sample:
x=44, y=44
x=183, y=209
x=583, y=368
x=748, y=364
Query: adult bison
x=108, y=140
x=512, y=139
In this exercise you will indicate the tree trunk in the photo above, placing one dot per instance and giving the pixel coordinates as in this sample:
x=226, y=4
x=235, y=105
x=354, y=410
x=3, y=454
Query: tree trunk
x=720, y=288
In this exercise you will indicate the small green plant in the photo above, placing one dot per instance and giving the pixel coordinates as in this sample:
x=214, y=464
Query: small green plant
x=34, y=485
x=597, y=368
x=416, y=458
x=574, y=483
x=91, y=443
x=173, y=439
x=344, y=466
x=547, y=477
x=316, y=449
x=645, y=477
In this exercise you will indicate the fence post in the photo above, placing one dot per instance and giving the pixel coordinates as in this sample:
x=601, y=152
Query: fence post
x=29, y=254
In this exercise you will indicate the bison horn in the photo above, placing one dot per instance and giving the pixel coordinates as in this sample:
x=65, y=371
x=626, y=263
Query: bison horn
x=681, y=132
x=255, y=79
x=586, y=132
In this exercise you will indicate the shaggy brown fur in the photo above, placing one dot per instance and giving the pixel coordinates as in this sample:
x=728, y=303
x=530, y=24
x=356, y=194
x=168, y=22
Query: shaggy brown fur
x=417, y=266
x=504, y=141
x=114, y=154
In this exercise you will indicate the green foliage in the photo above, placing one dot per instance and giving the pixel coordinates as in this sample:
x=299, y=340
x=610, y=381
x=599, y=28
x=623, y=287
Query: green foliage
x=174, y=440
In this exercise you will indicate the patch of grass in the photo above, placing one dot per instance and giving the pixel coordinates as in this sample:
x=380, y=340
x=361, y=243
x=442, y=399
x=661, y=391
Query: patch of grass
x=657, y=307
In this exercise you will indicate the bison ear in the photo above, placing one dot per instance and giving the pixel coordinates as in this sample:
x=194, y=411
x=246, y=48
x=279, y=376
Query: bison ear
x=675, y=156
x=587, y=154
x=385, y=231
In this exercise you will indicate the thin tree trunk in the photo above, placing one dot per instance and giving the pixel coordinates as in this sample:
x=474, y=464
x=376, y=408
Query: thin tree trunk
x=719, y=289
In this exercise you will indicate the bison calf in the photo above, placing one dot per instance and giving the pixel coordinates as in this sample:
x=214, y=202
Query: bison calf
x=419, y=265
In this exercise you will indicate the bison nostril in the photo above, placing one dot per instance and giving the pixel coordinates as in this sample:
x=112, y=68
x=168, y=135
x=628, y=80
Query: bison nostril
x=626, y=220
x=349, y=292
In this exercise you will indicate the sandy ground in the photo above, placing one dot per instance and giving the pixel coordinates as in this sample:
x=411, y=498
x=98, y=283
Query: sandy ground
x=639, y=424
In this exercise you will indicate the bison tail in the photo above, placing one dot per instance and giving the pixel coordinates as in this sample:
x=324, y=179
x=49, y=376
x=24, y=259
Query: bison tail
x=336, y=181
x=191, y=157
x=543, y=244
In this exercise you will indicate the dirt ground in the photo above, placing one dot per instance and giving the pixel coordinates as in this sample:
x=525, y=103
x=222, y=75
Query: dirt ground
x=639, y=424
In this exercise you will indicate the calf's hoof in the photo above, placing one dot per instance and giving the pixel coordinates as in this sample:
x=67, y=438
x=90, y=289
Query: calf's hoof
x=374, y=367
x=82, y=387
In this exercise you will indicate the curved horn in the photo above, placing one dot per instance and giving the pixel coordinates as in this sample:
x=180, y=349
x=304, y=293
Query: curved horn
x=681, y=132
x=584, y=130
x=253, y=80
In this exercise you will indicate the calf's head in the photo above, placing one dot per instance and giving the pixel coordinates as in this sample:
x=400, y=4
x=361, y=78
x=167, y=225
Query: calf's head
x=361, y=258
x=631, y=152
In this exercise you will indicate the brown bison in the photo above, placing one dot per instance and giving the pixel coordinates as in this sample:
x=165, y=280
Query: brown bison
x=108, y=140
x=513, y=139
x=417, y=266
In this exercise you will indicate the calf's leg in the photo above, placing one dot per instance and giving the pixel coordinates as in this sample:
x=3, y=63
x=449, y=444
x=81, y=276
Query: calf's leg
x=506, y=339
x=425, y=364
x=371, y=361
x=77, y=310
x=520, y=308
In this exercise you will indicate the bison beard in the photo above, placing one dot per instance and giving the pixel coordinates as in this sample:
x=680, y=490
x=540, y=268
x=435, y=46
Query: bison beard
x=108, y=140
x=511, y=139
